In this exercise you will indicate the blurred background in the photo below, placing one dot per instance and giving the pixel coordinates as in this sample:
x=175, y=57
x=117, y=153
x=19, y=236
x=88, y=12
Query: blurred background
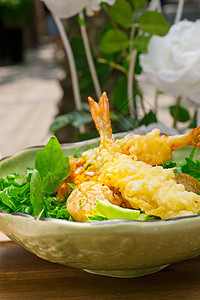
x=35, y=84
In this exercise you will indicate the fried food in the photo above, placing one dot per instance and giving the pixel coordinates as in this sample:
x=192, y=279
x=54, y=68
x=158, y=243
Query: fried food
x=101, y=116
x=151, y=189
x=83, y=199
x=152, y=148
x=128, y=167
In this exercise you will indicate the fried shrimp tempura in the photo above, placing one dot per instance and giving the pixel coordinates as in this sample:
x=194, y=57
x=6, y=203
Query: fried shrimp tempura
x=101, y=116
x=83, y=199
x=156, y=149
x=151, y=189
x=126, y=167
x=152, y=148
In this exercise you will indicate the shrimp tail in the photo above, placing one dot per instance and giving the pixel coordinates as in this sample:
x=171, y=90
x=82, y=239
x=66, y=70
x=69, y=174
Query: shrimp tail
x=195, y=137
x=101, y=116
x=192, y=138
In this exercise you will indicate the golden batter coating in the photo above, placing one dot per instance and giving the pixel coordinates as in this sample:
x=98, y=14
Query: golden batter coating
x=151, y=189
x=83, y=199
x=128, y=166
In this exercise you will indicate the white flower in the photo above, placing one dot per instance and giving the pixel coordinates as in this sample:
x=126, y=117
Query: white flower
x=69, y=8
x=94, y=5
x=173, y=61
x=65, y=8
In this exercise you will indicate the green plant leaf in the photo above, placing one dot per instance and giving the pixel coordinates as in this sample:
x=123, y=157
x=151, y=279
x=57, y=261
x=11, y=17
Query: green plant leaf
x=77, y=45
x=141, y=43
x=153, y=22
x=85, y=80
x=15, y=12
x=13, y=192
x=77, y=153
x=24, y=193
x=122, y=13
x=122, y=121
x=63, y=214
x=52, y=165
x=120, y=97
x=82, y=118
x=8, y=197
x=86, y=136
x=79, y=53
x=85, y=107
x=138, y=68
x=183, y=114
x=149, y=118
x=193, y=122
x=86, y=83
x=139, y=4
x=50, y=182
x=36, y=193
x=76, y=118
x=114, y=40
x=191, y=167
x=61, y=121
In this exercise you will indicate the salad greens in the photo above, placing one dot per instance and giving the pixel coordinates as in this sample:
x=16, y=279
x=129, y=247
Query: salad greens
x=187, y=166
x=34, y=193
x=52, y=166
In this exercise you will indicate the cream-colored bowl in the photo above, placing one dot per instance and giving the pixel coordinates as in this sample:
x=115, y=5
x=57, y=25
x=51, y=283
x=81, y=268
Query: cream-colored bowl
x=121, y=248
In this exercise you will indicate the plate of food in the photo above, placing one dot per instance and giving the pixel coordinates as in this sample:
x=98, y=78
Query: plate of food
x=122, y=207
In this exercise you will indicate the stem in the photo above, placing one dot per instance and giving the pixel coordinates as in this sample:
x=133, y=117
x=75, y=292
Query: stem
x=113, y=65
x=132, y=37
x=142, y=104
x=159, y=6
x=72, y=66
x=130, y=79
x=178, y=100
x=89, y=57
x=179, y=11
x=141, y=97
x=106, y=7
x=130, y=76
x=156, y=102
x=155, y=5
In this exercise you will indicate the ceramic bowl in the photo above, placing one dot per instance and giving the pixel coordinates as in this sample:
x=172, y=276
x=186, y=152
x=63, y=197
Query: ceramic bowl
x=120, y=248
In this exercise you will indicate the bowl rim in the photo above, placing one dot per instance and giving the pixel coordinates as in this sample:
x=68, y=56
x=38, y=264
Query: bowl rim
x=99, y=223
x=93, y=223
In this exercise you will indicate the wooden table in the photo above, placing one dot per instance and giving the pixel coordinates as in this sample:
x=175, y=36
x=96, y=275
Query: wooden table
x=25, y=276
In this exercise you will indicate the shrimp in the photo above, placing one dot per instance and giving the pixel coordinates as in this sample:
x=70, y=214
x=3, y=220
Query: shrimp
x=101, y=117
x=154, y=148
x=151, y=189
x=137, y=184
x=126, y=167
x=151, y=148
x=83, y=199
